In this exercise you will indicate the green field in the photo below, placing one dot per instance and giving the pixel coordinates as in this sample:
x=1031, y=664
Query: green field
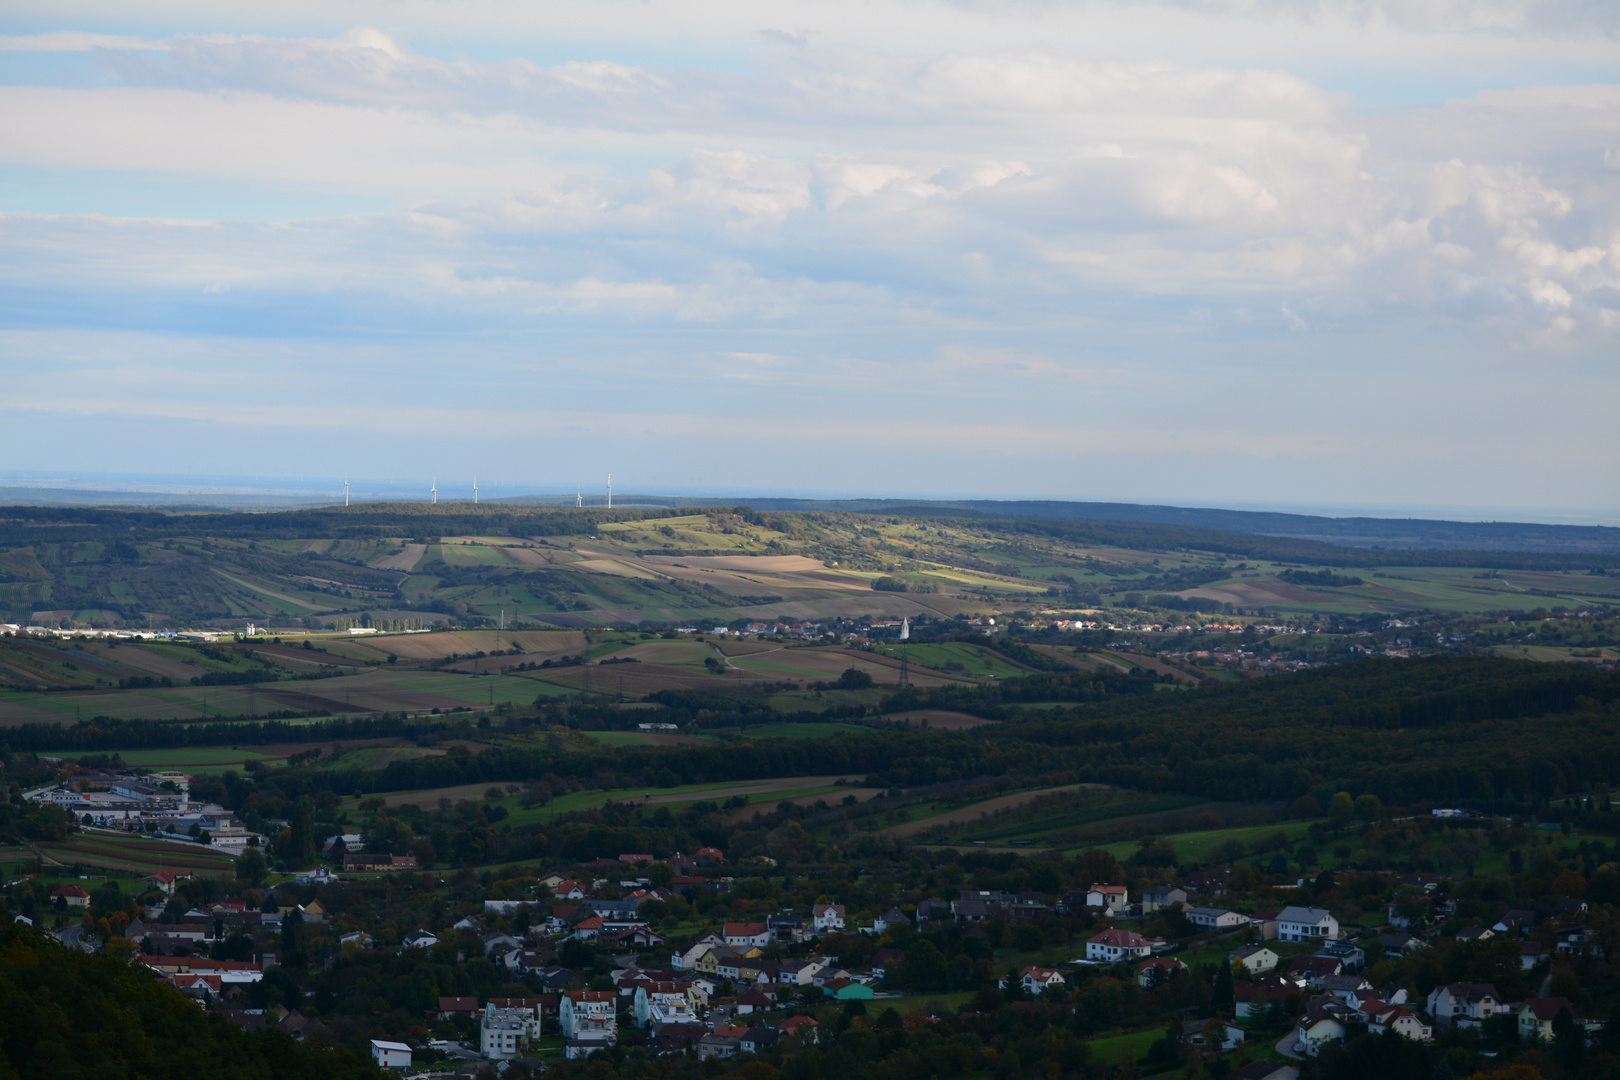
x=801, y=731
x=1202, y=846
x=956, y=658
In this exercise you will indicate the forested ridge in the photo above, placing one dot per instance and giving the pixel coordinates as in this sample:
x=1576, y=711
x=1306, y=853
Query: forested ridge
x=1405, y=730
x=70, y=1015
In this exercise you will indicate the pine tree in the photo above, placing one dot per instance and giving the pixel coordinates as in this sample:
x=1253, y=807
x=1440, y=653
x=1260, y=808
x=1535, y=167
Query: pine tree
x=1222, y=1000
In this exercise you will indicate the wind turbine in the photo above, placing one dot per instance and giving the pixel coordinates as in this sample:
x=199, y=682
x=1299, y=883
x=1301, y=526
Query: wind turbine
x=579, y=495
x=345, y=489
x=435, y=491
x=475, y=490
x=610, y=491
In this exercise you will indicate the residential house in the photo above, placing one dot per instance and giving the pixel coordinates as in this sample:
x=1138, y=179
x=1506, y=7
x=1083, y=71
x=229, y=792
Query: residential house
x=787, y=929
x=365, y=862
x=503, y=1034
x=1111, y=899
x=1515, y=920
x=1255, y=998
x=1399, y=944
x=1531, y=953
x=847, y=990
x=390, y=1055
x=756, y=999
x=1313, y=969
x=797, y=1025
x=72, y=895
x=687, y=961
x=1351, y=957
x=1210, y=918
x=1210, y=884
x=971, y=910
x=457, y=1006
x=1212, y=1034
x=1464, y=1004
x=1159, y=970
x=569, y=890
x=420, y=939
x=1073, y=900
x=1537, y=1014
x=1266, y=1069
x=885, y=960
x=1318, y=1027
x=746, y=935
x=828, y=917
x=1342, y=986
x=1162, y=896
x=893, y=917
x=1306, y=924
x=165, y=879
x=799, y=972
x=760, y=1037
x=1403, y=1023
x=663, y=1003
x=1255, y=959
x=588, y=1016
x=715, y=1045
x=1114, y=945
x=1036, y=980
x=636, y=936
x=829, y=973
x=1264, y=925
x=1475, y=933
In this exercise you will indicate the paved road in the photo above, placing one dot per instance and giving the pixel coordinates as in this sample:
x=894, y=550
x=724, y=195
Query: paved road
x=71, y=938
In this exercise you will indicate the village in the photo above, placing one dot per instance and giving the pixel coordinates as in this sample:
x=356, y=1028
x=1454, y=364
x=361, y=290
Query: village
x=605, y=965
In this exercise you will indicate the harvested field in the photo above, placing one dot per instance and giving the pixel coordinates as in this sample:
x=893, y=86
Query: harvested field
x=406, y=559
x=648, y=738
x=940, y=719
x=1258, y=593
x=1158, y=667
x=439, y=645
x=756, y=563
x=972, y=813
x=113, y=851
x=829, y=663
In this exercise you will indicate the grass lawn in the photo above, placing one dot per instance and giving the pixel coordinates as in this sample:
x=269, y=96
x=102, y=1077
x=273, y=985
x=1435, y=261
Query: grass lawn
x=973, y=660
x=906, y=1002
x=1202, y=846
x=178, y=756
x=1109, y=1050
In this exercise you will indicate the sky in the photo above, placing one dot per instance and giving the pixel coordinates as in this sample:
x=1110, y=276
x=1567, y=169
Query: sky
x=1209, y=253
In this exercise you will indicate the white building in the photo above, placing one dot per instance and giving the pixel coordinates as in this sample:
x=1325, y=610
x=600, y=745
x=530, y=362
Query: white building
x=1113, y=945
x=1211, y=918
x=588, y=1016
x=1110, y=898
x=390, y=1055
x=1306, y=924
x=829, y=917
x=503, y=1034
x=663, y=1003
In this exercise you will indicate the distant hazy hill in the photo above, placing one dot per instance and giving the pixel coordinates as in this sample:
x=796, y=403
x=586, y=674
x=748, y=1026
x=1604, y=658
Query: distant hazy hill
x=1355, y=531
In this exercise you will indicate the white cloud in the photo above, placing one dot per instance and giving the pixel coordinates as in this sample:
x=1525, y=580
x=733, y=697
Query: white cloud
x=1013, y=224
x=74, y=41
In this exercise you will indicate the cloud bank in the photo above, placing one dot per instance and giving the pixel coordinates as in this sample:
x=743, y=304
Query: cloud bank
x=1028, y=267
